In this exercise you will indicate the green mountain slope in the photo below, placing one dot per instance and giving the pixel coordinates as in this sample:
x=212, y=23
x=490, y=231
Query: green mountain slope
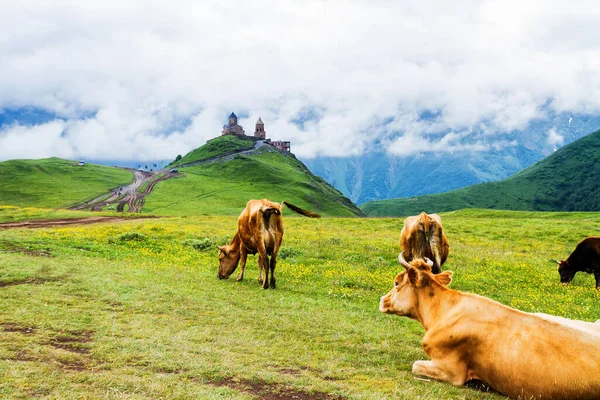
x=567, y=180
x=55, y=183
x=224, y=186
x=215, y=147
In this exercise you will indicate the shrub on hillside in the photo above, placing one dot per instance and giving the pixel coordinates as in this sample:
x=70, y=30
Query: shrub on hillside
x=288, y=252
x=128, y=237
x=199, y=244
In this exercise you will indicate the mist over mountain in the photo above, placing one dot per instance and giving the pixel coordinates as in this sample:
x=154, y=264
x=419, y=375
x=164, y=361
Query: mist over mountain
x=379, y=174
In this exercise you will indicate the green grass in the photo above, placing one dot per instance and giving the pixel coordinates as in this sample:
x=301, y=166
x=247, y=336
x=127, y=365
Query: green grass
x=134, y=310
x=16, y=214
x=11, y=214
x=217, y=146
x=56, y=183
x=564, y=181
x=225, y=188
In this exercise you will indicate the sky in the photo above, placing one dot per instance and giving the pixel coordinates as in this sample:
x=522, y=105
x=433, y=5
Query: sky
x=147, y=80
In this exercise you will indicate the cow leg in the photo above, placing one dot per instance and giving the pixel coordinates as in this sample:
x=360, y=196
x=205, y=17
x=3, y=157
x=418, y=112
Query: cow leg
x=597, y=276
x=260, y=274
x=263, y=265
x=243, y=257
x=272, y=263
x=454, y=373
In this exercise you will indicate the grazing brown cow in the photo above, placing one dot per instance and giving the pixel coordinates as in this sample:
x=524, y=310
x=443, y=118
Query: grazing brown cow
x=423, y=236
x=522, y=355
x=585, y=257
x=260, y=230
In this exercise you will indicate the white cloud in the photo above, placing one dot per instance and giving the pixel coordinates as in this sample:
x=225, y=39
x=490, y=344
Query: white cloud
x=149, y=79
x=554, y=138
x=34, y=142
x=414, y=143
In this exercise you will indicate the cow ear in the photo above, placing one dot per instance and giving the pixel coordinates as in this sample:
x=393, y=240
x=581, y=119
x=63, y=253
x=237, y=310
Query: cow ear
x=413, y=275
x=444, y=278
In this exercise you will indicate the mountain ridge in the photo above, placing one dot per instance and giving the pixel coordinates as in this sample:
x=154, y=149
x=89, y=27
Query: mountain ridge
x=377, y=174
x=566, y=180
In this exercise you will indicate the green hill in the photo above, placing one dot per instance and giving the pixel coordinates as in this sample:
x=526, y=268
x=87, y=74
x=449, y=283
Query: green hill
x=216, y=147
x=567, y=180
x=224, y=186
x=55, y=183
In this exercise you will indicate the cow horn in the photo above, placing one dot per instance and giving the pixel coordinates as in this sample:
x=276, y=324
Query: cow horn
x=428, y=261
x=402, y=261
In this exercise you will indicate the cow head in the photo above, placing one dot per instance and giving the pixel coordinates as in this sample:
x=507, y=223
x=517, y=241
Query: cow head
x=402, y=299
x=228, y=261
x=565, y=271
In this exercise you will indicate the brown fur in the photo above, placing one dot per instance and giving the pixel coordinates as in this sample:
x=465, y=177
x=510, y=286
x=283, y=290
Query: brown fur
x=423, y=236
x=522, y=355
x=260, y=230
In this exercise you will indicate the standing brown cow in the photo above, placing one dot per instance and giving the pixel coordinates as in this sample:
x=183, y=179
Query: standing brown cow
x=260, y=230
x=423, y=236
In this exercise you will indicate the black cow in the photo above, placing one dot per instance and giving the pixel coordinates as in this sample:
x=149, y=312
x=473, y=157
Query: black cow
x=586, y=258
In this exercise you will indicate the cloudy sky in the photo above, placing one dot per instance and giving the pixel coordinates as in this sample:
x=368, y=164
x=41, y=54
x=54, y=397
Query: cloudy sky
x=153, y=79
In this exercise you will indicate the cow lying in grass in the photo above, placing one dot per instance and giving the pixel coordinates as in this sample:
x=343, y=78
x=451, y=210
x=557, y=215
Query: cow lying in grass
x=522, y=355
x=260, y=230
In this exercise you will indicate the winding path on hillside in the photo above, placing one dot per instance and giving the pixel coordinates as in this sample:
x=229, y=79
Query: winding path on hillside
x=128, y=195
x=258, y=148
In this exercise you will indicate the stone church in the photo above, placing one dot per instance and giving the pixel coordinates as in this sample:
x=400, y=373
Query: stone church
x=232, y=128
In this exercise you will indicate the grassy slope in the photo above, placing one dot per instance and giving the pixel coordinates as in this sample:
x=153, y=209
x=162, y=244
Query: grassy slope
x=564, y=181
x=55, y=183
x=225, y=188
x=11, y=214
x=215, y=147
x=107, y=317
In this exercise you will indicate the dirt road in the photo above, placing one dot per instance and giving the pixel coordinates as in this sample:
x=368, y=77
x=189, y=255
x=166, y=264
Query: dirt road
x=128, y=195
x=48, y=223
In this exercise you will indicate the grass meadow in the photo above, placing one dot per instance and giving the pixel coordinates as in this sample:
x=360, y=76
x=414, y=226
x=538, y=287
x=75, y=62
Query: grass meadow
x=56, y=183
x=134, y=310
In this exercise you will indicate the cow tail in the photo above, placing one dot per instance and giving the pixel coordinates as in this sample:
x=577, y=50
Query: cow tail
x=301, y=211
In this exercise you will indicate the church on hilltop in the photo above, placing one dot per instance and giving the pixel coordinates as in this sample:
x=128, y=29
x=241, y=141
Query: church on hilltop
x=232, y=128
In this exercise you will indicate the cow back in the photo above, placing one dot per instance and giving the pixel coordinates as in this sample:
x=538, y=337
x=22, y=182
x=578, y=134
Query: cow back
x=261, y=222
x=423, y=236
x=586, y=254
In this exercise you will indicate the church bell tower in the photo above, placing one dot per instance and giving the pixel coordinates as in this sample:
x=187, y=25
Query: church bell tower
x=260, y=129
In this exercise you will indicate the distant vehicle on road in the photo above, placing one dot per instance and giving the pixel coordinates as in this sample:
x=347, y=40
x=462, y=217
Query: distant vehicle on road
x=174, y=170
